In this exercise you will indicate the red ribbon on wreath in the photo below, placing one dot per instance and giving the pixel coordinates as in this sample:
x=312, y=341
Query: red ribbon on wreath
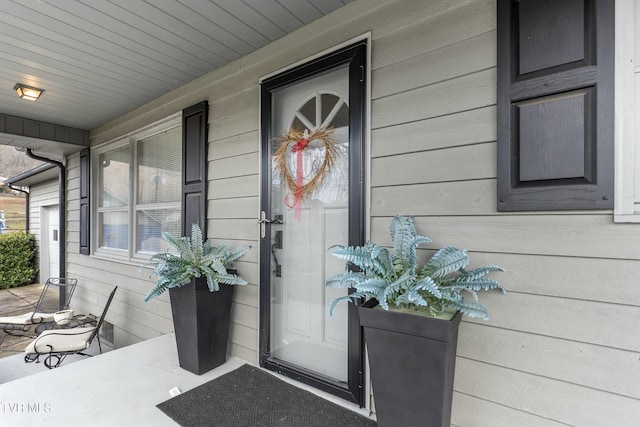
x=296, y=142
x=298, y=148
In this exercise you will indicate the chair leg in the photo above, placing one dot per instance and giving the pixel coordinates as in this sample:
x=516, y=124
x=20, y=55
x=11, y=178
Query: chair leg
x=50, y=357
x=32, y=357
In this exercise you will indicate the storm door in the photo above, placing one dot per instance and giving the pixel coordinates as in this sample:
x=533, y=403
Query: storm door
x=311, y=198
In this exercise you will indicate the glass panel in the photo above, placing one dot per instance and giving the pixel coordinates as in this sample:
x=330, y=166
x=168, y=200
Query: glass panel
x=302, y=333
x=114, y=230
x=341, y=117
x=114, y=177
x=158, y=168
x=328, y=103
x=308, y=110
x=151, y=224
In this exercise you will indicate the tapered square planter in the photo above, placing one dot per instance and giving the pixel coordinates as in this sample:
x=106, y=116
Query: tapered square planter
x=201, y=322
x=412, y=360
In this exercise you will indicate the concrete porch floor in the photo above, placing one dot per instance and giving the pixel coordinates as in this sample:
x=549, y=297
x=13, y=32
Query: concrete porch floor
x=120, y=387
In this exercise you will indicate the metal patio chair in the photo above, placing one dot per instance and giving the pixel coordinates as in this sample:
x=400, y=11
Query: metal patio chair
x=42, y=315
x=56, y=344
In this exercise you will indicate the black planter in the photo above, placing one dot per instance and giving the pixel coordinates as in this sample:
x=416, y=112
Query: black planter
x=412, y=360
x=201, y=322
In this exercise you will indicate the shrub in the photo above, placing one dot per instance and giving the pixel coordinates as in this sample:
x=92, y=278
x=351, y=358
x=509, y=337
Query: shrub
x=17, y=259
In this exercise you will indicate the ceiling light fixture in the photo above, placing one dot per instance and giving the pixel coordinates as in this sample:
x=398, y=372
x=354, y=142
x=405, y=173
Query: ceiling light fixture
x=28, y=92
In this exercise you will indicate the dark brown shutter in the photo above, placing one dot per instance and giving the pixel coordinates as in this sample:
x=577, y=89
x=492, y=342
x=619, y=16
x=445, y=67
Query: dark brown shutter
x=555, y=104
x=194, y=167
x=85, y=216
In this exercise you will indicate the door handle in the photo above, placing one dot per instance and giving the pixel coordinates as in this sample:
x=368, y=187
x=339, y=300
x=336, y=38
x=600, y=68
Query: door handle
x=263, y=221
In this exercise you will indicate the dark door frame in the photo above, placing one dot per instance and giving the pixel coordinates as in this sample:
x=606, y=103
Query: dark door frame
x=354, y=56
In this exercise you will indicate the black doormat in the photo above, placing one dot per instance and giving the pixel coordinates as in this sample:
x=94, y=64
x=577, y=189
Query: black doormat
x=249, y=397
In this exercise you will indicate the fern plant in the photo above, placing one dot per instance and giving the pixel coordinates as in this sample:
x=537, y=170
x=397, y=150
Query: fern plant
x=395, y=278
x=193, y=259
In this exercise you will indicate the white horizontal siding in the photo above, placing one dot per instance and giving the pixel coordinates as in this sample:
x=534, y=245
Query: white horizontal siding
x=559, y=349
x=546, y=356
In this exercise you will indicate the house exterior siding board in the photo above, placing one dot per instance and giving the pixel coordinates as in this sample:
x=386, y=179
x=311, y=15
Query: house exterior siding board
x=230, y=167
x=243, y=335
x=590, y=322
x=244, y=353
x=585, y=364
x=472, y=162
x=247, y=295
x=437, y=132
x=553, y=276
x=450, y=61
x=239, y=207
x=446, y=26
x=546, y=397
x=472, y=197
x=468, y=92
x=243, y=314
x=74, y=238
x=242, y=186
x=579, y=235
x=470, y=411
x=233, y=146
x=243, y=229
x=570, y=274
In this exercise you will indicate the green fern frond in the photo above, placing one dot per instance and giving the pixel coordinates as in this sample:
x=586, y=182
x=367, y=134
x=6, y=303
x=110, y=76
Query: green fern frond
x=394, y=289
x=372, y=286
x=196, y=241
x=445, y=261
x=181, y=245
x=481, y=272
x=354, y=297
x=231, y=279
x=350, y=279
x=159, y=288
x=359, y=256
x=405, y=242
x=429, y=285
x=461, y=283
x=215, y=263
x=402, y=234
x=212, y=284
x=195, y=259
x=412, y=298
x=237, y=253
x=473, y=309
x=393, y=278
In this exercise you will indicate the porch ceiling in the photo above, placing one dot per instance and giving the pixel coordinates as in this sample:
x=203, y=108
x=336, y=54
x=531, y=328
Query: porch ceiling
x=97, y=59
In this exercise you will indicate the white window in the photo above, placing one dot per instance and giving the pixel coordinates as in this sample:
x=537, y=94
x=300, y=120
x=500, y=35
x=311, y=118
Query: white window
x=138, y=191
x=627, y=112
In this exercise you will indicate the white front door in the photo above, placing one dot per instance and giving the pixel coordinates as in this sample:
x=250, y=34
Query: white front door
x=312, y=198
x=301, y=331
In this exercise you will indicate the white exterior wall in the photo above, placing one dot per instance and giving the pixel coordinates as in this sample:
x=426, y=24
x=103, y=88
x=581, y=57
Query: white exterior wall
x=561, y=347
x=41, y=195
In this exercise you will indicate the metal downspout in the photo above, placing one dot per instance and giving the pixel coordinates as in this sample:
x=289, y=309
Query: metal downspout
x=62, y=212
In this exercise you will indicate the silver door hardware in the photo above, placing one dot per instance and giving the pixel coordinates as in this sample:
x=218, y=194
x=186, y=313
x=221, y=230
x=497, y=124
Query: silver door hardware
x=263, y=221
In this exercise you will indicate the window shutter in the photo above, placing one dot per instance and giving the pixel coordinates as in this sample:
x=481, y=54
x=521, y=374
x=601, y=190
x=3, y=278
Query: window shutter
x=194, y=167
x=555, y=104
x=84, y=202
